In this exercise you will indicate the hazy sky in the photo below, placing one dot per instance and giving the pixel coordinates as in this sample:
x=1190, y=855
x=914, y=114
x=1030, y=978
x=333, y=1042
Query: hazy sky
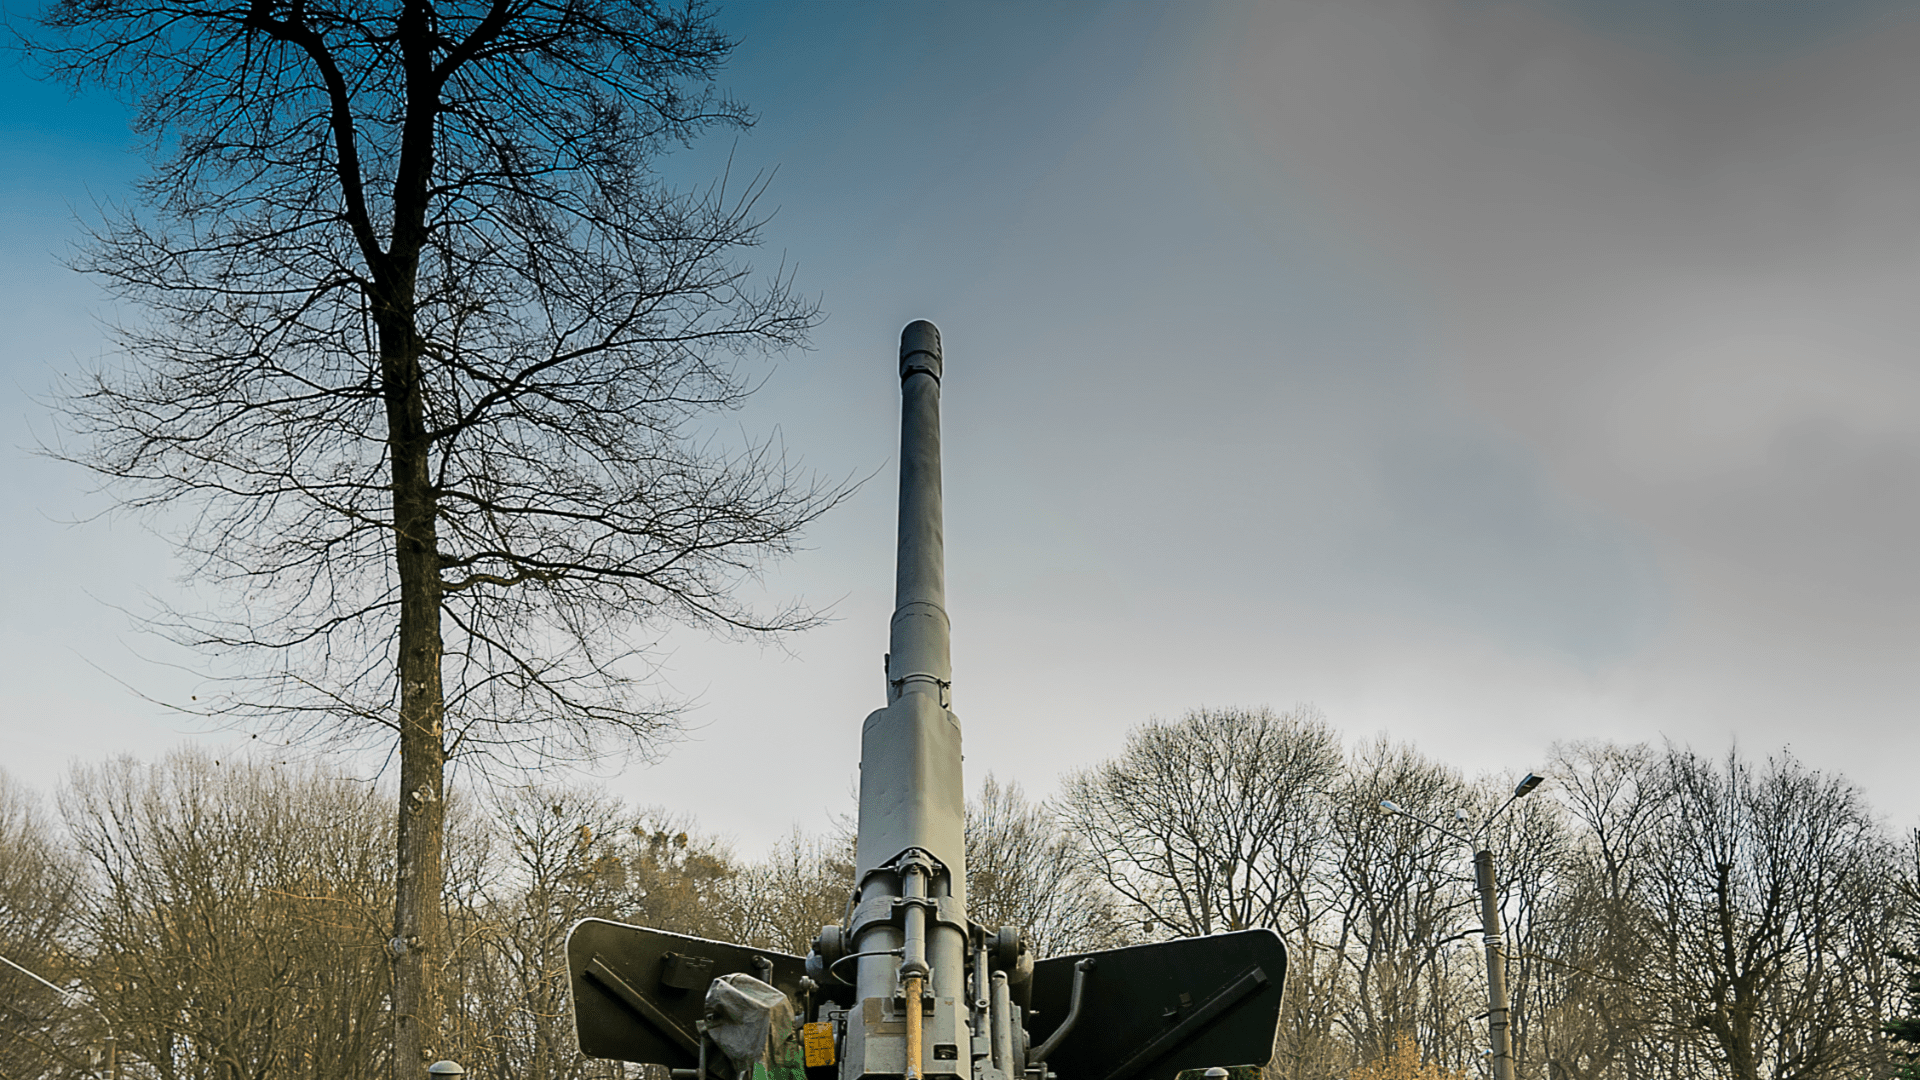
x=1483, y=372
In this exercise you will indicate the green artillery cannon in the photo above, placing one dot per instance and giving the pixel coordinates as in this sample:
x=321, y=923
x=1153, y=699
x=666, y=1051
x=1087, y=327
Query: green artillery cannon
x=909, y=986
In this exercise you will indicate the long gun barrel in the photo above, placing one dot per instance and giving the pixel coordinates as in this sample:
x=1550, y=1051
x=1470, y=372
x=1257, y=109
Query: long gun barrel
x=918, y=660
x=909, y=926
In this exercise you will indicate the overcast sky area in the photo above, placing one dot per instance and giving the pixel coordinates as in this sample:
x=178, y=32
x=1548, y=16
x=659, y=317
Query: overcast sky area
x=1481, y=372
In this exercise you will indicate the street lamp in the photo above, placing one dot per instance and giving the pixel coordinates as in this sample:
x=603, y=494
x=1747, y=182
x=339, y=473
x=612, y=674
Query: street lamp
x=1498, y=1034
x=68, y=996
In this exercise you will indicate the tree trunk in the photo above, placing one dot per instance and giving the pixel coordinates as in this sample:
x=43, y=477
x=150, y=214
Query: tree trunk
x=418, y=947
x=420, y=872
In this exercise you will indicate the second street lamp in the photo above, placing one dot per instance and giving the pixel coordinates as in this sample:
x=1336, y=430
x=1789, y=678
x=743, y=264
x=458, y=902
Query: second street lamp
x=1499, y=1034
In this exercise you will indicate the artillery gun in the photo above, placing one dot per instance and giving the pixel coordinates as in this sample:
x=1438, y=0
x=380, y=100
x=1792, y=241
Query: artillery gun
x=907, y=985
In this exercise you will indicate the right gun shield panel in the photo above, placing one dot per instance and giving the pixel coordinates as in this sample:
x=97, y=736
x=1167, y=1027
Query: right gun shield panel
x=1151, y=1011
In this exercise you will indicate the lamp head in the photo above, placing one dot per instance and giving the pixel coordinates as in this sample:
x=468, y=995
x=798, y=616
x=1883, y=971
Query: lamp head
x=1528, y=783
x=1391, y=807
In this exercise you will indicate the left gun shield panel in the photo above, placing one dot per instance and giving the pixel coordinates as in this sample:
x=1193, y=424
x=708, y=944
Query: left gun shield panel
x=639, y=994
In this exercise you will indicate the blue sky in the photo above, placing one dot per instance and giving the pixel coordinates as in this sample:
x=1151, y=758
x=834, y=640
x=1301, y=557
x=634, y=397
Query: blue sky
x=1486, y=372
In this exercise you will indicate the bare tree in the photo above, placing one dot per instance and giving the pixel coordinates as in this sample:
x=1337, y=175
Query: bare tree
x=424, y=360
x=41, y=1032
x=1210, y=823
x=1903, y=1030
x=1598, y=1010
x=1768, y=887
x=233, y=923
x=1399, y=909
x=1024, y=870
x=546, y=857
x=1312, y=1041
x=800, y=886
x=1220, y=821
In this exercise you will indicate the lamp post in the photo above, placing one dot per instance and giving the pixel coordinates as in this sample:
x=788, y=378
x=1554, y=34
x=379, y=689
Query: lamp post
x=68, y=996
x=1499, y=1036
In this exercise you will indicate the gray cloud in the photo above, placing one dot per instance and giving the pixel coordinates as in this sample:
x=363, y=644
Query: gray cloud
x=1685, y=283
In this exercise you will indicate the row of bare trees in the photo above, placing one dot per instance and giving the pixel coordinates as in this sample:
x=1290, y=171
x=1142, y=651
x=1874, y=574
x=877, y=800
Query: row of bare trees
x=221, y=920
x=1668, y=914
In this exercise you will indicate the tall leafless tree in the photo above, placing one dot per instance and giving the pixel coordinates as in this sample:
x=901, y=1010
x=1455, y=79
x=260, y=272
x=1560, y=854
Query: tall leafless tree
x=423, y=352
x=1400, y=906
x=1209, y=823
x=1763, y=900
x=1597, y=1009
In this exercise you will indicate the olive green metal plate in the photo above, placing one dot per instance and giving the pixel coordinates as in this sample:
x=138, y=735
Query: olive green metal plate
x=1151, y=1011
x=638, y=993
